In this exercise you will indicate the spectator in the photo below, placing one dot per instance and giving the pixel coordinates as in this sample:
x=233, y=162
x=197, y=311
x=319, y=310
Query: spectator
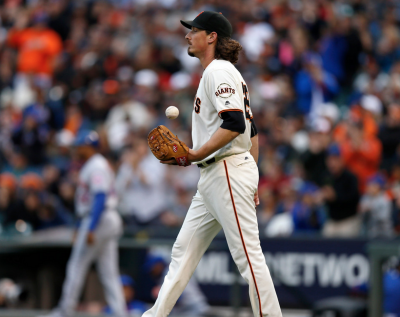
x=373, y=106
x=267, y=208
x=192, y=301
x=151, y=276
x=135, y=307
x=140, y=184
x=37, y=46
x=60, y=17
x=314, y=157
x=356, y=115
x=361, y=154
x=394, y=193
x=66, y=192
x=308, y=215
x=371, y=79
x=376, y=208
x=341, y=195
x=31, y=137
x=254, y=37
x=36, y=207
x=391, y=288
x=304, y=215
x=18, y=164
x=287, y=195
x=389, y=135
x=175, y=215
x=51, y=213
x=29, y=204
x=391, y=91
x=126, y=116
x=8, y=202
x=51, y=176
x=388, y=51
x=341, y=46
x=314, y=86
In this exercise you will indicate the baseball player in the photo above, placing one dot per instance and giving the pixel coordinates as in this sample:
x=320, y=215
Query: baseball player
x=225, y=147
x=99, y=231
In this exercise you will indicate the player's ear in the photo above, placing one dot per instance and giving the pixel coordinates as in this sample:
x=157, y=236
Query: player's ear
x=212, y=37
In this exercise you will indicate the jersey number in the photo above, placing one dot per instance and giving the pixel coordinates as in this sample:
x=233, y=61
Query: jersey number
x=249, y=114
x=197, y=105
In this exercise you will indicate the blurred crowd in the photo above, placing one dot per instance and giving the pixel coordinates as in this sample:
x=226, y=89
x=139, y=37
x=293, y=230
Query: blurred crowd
x=324, y=82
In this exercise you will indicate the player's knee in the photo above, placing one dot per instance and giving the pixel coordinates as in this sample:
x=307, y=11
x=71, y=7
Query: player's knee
x=177, y=252
x=179, y=249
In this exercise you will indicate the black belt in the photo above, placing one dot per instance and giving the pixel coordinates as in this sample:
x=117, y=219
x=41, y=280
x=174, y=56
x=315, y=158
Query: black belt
x=210, y=161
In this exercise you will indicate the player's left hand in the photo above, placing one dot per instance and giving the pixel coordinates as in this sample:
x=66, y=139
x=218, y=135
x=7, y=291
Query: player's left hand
x=167, y=147
x=256, y=198
x=90, y=238
x=74, y=236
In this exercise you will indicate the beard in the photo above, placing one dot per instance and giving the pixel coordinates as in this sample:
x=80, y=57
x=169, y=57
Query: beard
x=190, y=53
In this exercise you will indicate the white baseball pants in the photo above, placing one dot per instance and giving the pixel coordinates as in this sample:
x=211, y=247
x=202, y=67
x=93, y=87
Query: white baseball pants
x=225, y=199
x=105, y=253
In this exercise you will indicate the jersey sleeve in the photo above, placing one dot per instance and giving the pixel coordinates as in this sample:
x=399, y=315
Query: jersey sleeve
x=254, y=130
x=99, y=202
x=99, y=182
x=234, y=121
x=222, y=92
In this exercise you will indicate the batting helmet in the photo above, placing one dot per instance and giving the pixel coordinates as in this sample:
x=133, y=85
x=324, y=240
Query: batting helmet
x=87, y=137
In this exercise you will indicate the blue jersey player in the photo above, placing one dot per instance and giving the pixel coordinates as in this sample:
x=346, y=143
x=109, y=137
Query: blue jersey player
x=99, y=231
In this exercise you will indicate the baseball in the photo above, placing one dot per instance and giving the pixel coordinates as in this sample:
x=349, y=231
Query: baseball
x=172, y=112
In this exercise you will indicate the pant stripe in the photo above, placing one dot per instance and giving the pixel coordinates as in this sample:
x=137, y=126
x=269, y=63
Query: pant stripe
x=241, y=237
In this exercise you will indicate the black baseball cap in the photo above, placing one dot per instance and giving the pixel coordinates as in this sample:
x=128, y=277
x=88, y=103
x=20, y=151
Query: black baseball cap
x=211, y=21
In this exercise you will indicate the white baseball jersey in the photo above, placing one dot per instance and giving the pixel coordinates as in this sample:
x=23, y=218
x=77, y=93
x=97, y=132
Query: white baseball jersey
x=95, y=176
x=222, y=88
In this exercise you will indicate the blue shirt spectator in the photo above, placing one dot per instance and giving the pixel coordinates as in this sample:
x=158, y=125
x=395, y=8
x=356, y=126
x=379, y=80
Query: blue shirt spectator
x=308, y=215
x=391, y=291
x=333, y=50
x=133, y=305
x=313, y=85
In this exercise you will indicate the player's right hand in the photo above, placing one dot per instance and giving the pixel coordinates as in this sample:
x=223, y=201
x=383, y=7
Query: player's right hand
x=90, y=238
x=74, y=236
x=256, y=198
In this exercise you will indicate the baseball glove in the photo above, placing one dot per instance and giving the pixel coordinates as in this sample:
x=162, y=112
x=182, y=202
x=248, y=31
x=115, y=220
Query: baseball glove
x=166, y=146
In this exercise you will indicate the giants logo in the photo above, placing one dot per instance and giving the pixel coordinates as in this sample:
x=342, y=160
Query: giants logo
x=224, y=90
x=175, y=148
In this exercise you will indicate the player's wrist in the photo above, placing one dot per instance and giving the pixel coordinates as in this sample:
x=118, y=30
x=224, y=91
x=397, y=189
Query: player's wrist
x=193, y=156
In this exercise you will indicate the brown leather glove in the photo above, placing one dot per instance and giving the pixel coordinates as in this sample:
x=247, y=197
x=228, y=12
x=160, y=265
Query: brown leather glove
x=166, y=146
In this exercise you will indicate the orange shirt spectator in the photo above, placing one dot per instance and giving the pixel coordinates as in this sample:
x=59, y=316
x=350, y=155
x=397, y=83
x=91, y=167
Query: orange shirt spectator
x=361, y=154
x=8, y=180
x=357, y=114
x=37, y=47
x=32, y=181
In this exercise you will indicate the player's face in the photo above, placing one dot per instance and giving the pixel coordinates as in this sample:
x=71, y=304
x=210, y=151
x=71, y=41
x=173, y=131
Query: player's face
x=129, y=293
x=197, y=40
x=83, y=152
x=334, y=164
